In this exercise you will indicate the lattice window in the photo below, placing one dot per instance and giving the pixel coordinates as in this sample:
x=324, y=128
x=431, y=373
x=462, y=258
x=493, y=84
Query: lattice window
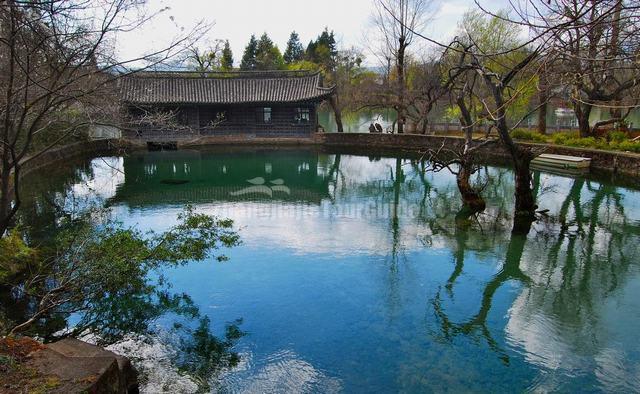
x=263, y=115
x=302, y=115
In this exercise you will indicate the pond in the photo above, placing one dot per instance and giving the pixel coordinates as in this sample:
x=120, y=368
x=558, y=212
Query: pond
x=359, y=121
x=356, y=275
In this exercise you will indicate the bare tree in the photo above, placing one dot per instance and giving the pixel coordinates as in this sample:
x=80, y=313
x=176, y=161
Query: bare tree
x=506, y=74
x=425, y=91
x=594, y=46
x=598, y=53
x=544, y=91
x=351, y=81
x=397, y=21
x=487, y=74
x=57, y=75
x=499, y=79
x=461, y=87
x=206, y=58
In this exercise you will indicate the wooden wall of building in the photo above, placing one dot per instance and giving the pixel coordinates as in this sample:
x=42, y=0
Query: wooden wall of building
x=234, y=119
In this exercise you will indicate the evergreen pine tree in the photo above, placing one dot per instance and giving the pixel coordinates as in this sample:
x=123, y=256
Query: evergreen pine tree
x=226, y=63
x=294, y=51
x=310, y=53
x=328, y=39
x=249, y=56
x=326, y=49
x=323, y=51
x=268, y=56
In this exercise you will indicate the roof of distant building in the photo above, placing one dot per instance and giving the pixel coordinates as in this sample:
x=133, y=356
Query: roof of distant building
x=149, y=88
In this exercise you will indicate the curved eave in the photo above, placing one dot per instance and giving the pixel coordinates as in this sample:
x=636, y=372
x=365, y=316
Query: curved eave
x=319, y=98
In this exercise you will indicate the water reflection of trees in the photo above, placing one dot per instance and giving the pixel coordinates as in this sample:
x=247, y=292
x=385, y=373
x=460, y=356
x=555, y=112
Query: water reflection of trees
x=47, y=198
x=567, y=267
x=63, y=198
x=510, y=270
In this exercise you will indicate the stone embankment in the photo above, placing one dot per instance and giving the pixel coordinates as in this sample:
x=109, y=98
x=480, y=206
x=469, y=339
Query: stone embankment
x=619, y=162
x=66, y=366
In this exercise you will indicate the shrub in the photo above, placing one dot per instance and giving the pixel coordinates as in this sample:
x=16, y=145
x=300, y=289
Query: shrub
x=528, y=135
x=15, y=255
x=558, y=139
x=617, y=136
x=631, y=146
x=563, y=137
x=616, y=140
x=587, y=142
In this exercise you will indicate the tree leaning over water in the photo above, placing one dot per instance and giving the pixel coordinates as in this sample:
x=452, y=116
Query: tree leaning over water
x=109, y=277
x=95, y=261
x=487, y=73
x=507, y=77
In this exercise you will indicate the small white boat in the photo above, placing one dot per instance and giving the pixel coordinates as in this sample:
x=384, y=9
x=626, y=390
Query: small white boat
x=561, y=162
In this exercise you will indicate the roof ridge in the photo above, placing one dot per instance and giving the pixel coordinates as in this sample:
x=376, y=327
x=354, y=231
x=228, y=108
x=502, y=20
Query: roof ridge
x=264, y=74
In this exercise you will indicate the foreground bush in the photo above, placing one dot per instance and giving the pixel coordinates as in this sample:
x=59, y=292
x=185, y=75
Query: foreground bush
x=99, y=270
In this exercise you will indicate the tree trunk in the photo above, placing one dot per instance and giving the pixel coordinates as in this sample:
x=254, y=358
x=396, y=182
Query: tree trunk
x=583, y=112
x=471, y=199
x=614, y=49
x=525, y=201
x=465, y=119
x=395, y=223
x=333, y=101
x=5, y=200
x=9, y=37
x=543, y=98
x=425, y=126
x=402, y=111
x=542, y=119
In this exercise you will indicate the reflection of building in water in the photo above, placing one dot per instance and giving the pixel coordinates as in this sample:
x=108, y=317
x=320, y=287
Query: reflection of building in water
x=188, y=176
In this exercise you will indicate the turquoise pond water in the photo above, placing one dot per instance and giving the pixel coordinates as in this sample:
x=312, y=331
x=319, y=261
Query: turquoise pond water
x=355, y=276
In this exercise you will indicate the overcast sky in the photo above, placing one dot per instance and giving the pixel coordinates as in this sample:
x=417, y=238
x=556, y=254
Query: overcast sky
x=236, y=20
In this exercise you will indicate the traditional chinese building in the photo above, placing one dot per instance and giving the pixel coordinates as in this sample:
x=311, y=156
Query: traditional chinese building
x=271, y=103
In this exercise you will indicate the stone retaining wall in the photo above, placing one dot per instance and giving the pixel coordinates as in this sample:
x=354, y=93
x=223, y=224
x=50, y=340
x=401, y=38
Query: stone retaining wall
x=620, y=162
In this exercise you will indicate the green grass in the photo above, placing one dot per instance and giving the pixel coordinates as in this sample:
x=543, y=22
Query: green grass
x=615, y=140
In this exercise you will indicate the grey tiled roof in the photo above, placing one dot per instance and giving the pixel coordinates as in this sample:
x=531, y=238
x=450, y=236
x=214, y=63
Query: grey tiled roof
x=221, y=88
